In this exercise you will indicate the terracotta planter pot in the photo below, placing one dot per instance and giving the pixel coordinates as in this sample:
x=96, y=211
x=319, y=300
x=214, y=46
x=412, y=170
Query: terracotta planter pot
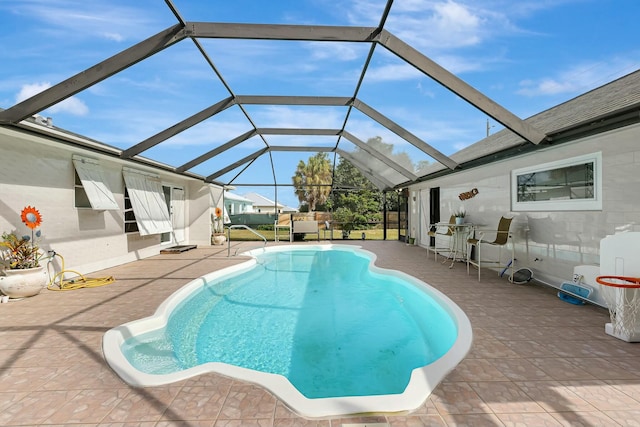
x=23, y=283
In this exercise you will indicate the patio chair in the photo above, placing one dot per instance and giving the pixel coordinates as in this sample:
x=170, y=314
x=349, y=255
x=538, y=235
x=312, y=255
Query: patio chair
x=305, y=227
x=438, y=231
x=503, y=237
x=283, y=222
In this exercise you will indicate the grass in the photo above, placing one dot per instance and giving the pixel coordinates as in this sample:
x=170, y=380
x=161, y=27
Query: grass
x=239, y=234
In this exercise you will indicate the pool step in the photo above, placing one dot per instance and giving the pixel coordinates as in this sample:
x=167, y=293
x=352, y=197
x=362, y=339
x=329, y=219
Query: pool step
x=178, y=249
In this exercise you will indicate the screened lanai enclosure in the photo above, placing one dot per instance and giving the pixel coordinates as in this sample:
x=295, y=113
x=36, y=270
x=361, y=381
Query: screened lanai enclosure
x=161, y=106
x=216, y=92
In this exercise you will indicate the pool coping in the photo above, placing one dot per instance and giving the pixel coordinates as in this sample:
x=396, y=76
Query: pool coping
x=422, y=382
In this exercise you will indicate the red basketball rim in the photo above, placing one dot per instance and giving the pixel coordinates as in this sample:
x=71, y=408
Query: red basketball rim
x=633, y=282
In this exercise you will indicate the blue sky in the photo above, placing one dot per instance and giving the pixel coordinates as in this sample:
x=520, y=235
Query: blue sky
x=525, y=55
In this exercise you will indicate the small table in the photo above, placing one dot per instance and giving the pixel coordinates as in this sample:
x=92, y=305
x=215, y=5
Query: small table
x=461, y=233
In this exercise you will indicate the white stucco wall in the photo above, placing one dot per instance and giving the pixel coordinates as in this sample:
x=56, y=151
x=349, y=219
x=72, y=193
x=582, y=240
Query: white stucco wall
x=577, y=234
x=40, y=173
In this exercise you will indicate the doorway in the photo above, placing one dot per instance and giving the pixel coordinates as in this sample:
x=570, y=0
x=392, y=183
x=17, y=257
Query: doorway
x=403, y=215
x=174, y=196
x=434, y=210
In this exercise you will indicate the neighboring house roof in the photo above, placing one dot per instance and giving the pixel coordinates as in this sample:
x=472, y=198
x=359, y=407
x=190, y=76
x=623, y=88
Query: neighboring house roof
x=236, y=197
x=586, y=110
x=260, y=200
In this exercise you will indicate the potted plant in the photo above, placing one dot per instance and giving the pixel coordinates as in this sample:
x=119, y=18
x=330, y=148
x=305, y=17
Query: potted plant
x=218, y=237
x=22, y=275
x=460, y=214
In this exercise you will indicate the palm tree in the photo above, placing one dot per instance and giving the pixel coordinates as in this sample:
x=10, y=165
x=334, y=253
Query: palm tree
x=312, y=181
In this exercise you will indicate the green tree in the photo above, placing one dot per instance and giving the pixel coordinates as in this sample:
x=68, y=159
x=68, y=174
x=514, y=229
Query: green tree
x=312, y=180
x=401, y=157
x=421, y=167
x=355, y=193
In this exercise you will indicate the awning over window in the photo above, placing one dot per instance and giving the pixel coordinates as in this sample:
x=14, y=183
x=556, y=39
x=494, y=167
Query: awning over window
x=148, y=202
x=93, y=182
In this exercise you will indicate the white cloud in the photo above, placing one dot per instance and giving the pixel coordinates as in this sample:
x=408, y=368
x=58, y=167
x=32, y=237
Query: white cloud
x=447, y=24
x=29, y=90
x=210, y=134
x=393, y=72
x=402, y=71
x=438, y=25
x=579, y=78
x=461, y=64
x=440, y=29
x=99, y=19
x=457, y=21
x=336, y=51
x=279, y=116
x=71, y=105
x=113, y=36
x=425, y=92
x=362, y=12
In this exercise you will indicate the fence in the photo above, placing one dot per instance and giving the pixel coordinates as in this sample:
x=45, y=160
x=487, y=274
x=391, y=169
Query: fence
x=371, y=231
x=268, y=219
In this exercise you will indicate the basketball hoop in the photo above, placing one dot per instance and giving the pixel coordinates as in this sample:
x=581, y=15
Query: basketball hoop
x=627, y=282
x=622, y=295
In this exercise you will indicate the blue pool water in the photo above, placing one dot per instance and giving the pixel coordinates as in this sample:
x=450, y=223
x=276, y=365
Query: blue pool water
x=320, y=318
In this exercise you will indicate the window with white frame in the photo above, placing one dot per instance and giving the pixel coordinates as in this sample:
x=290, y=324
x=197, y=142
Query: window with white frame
x=90, y=189
x=130, y=223
x=148, y=207
x=570, y=184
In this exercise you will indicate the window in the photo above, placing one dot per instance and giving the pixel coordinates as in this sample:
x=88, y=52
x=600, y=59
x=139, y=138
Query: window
x=90, y=189
x=166, y=191
x=81, y=200
x=571, y=184
x=130, y=223
x=148, y=206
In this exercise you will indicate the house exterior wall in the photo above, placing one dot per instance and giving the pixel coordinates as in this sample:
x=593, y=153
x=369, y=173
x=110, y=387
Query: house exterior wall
x=39, y=172
x=550, y=243
x=236, y=207
x=201, y=206
x=267, y=209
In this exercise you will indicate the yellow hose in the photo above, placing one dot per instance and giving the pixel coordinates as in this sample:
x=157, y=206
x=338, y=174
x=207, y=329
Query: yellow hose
x=77, y=282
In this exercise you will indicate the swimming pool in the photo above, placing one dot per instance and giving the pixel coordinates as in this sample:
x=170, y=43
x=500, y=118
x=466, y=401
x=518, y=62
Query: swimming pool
x=396, y=337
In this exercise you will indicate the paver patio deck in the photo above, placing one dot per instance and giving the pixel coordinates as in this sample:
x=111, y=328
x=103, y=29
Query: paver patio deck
x=535, y=361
